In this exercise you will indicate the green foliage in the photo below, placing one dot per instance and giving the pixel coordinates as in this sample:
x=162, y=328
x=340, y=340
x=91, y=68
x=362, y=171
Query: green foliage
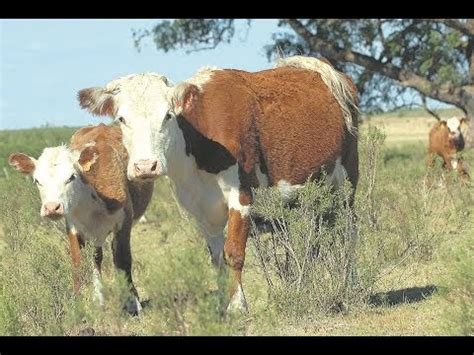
x=35, y=271
x=308, y=257
x=187, y=299
x=434, y=50
x=458, y=310
x=458, y=281
x=205, y=33
x=412, y=216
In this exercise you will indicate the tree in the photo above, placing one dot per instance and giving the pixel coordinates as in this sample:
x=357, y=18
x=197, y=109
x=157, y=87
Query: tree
x=388, y=59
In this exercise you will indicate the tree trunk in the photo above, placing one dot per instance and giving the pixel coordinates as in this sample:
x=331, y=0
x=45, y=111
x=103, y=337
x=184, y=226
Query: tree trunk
x=469, y=108
x=469, y=140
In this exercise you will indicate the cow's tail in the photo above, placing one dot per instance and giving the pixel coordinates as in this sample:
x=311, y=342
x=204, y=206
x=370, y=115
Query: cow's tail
x=339, y=85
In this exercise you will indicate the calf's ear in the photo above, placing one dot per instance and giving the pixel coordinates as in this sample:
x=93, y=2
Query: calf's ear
x=23, y=163
x=87, y=159
x=97, y=101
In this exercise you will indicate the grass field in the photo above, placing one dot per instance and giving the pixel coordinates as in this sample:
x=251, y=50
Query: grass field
x=416, y=244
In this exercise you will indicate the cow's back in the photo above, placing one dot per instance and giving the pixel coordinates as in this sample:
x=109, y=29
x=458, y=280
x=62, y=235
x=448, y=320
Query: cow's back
x=285, y=119
x=108, y=173
x=302, y=127
x=111, y=135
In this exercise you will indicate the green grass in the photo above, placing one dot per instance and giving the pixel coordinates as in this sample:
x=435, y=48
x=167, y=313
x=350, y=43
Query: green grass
x=413, y=236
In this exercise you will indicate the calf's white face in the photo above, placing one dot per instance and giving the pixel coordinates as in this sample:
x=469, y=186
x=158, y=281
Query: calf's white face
x=142, y=105
x=456, y=126
x=57, y=177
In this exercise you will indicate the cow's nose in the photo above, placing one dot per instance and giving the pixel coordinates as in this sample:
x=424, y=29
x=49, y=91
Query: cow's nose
x=53, y=210
x=146, y=169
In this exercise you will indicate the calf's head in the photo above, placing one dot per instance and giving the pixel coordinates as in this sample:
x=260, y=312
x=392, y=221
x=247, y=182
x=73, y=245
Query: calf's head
x=457, y=130
x=57, y=174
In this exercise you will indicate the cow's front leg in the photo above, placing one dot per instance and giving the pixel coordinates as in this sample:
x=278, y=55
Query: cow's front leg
x=122, y=257
x=75, y=243
x=234, y=249
x=215, y=245
x=448, y=162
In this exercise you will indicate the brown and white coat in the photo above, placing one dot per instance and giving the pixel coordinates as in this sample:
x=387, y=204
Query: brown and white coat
x=446, y=139
x=222, y=132
x=87, y=185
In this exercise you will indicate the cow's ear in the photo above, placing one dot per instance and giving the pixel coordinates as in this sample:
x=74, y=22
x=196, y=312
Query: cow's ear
x=87, y=158
x=184, y=98
x=97, y=101
x=443, y=122
x=23, y=163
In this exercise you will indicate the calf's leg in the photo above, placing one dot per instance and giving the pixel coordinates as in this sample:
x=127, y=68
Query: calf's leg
x=122, y=258
x=75, y=243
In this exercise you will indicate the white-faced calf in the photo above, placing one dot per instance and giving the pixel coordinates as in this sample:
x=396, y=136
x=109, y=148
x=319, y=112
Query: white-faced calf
x=446, y=139
x=87, y=185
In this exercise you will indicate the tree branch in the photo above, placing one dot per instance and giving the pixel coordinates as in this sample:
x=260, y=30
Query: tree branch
x=470, y=58
x=446, y=93
x=431, y=112
x=466, y=28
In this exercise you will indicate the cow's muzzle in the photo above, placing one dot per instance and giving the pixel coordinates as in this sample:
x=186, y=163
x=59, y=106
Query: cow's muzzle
x=146, y=169
x=52, y=210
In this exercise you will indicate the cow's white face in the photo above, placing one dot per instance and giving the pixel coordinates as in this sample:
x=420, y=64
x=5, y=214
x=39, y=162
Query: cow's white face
x=455, y=126
x=146, y=105
x=56, y=177
x=142, y=105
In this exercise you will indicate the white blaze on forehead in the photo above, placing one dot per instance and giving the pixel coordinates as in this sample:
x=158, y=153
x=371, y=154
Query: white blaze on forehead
x=141, y=95
x=55, y=164
x=143, y=101
x=453, y=124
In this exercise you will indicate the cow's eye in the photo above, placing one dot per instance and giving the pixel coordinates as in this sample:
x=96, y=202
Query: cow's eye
x=121, y=120
x=71, y=178
x=37, y=182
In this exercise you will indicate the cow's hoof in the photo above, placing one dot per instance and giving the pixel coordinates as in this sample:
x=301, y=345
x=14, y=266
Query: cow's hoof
x=133, y=307
x=238, y=303
x=87, y=332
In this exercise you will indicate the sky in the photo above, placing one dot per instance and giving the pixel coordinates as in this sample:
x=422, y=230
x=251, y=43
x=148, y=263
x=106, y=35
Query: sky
x=43, y=63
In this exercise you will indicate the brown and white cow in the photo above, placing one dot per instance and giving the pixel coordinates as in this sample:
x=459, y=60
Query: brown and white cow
x=87, y=185
x=446, y=139
x=224, y=131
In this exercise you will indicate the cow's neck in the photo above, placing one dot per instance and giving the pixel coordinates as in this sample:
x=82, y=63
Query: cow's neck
x=86, y=210
x=181, y=167
x=196, y=190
